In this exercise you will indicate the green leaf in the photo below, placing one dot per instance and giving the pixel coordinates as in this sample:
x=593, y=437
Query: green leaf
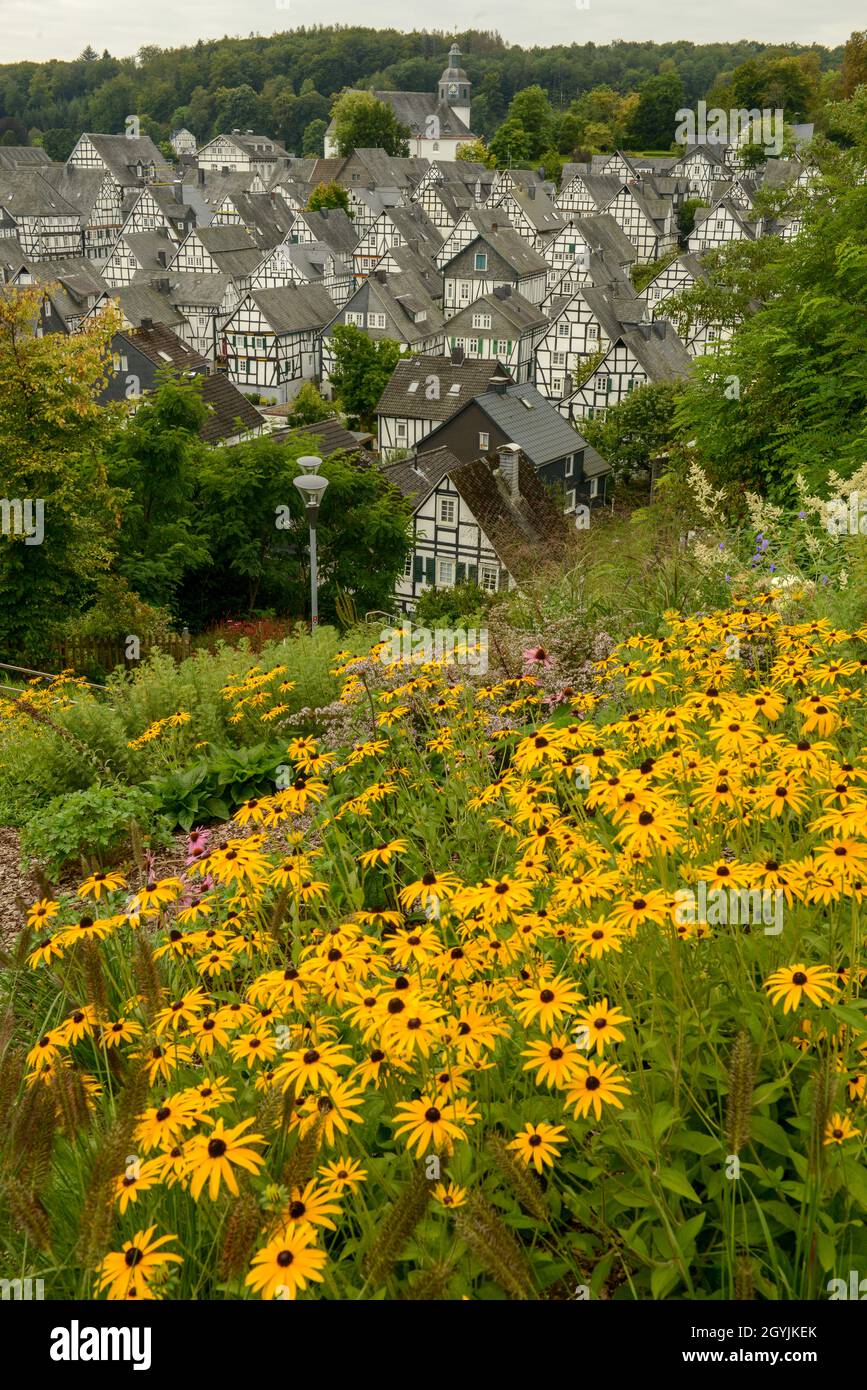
x=676, y=1181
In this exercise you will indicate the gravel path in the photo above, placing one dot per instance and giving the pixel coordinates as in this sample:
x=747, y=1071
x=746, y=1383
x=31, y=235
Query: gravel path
x=13, y=885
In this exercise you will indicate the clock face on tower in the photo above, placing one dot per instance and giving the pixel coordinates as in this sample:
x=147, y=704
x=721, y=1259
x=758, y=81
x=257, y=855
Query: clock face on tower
x=453, y=89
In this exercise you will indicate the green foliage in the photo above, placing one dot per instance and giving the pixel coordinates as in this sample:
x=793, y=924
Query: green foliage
x=154, y=463
x=477, y=152
x=362, y=121
x=329, y=195
x=642, y=273
x=362, y=368
x=686, y=215
x=214, y=787
x=653, y=122
x=640, y=427
x=463, y=605
x=309, y=406
x=94, y=824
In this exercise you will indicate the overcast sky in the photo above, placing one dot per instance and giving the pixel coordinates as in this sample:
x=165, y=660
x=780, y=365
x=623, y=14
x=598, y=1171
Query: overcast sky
x=62, y=28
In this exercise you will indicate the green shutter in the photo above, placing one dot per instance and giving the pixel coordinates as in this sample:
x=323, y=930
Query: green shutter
x=473, y=573
x=461, y=571
x=417, y=568
x=429, y=570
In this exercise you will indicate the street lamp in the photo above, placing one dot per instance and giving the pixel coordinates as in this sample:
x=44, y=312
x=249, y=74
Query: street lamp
x=312, y=485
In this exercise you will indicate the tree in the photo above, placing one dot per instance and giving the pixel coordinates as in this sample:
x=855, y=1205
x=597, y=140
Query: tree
x=476, y=152
x=309, y=406
x=639, y=427
x=854, y=67
x=255, y=520
x=329, y=195
x=238, y=108
x=653, y=122
x=155, y=461
x=53, y=436
x=527, y=131
x=788, y=393
x=362, y=367
x=313, y=139
x=362, y=121
x=511, y=146
x=59, y=143
x=686, y=215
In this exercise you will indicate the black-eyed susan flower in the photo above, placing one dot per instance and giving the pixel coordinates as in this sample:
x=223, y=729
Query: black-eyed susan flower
x=287, y=1264
x=598, y=1084
x=429, y=1124
x=547, y=1001
x=602, y=1024
x=343, y=1174
x=839, y=1128
x=98, y=883
x=449, y=1194
x=538, y=1144
x=792, y=983
x=127, y=1272
x=211, y=1157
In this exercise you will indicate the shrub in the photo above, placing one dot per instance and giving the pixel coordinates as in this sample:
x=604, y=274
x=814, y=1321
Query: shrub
x=93, y=824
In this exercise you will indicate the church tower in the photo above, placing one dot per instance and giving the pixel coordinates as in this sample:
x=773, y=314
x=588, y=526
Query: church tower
x=454, y=87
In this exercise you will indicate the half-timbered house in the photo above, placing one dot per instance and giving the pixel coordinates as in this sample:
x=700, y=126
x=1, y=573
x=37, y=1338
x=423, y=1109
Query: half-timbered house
x=644, y=352
x=424, y=392
x=502, y=324
x=492, y=259
x=272, y=341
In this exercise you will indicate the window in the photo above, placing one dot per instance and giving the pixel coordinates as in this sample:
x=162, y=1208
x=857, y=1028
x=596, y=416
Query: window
x=557, y=385
x=401, y=429
x=489, y=578
x=570, y=465
x=592, y=333
x=448, y=507
x=570, y=500
x=503, y=347
x=465, y=289
x=407, y=566
x=376, y=320
x=484, y=439
x=446, y=572
x=481, y=320
x=562, y=330
x=712, y=335
x=481, y=260
x=357, y=319
x=559, y=359
x=594, y=487
x=603, y=383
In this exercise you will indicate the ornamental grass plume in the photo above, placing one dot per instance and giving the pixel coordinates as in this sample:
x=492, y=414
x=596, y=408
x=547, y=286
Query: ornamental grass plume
x=744, y=1286
x=27, y=1211
x=522, y=1182
x=110, y=1160
x=824, y=1088
x=740, y=1100
x=431, y=1285
x=147, y=975
x=394, y=1232
x=239, y=1239
x=299, y=1166
x=483, y=1230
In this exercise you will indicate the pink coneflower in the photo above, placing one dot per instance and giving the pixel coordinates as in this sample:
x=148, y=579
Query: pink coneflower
x=197, y=843
x=537, y=656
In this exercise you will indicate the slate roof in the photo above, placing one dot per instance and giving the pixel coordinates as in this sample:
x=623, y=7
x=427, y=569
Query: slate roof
x=332, y=226
x=266, y=218
x=470, y=376
x=507, y=243
x=330, y=435
x=519, y=529
x=23, y=157
x=510, y=313
x=602, y=233
x=142, y=301
x=191, y=288
x=234, y=252
x=147, y=248
x=121, y=154
x=543, y=215
x=295, y=308
x=227, y=408
x=658, y=350
x=416, y=478
x=164, y=348
x=528, y=418
x=413, y=109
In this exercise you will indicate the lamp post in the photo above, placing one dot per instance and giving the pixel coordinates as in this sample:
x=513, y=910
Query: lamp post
x=312, y=485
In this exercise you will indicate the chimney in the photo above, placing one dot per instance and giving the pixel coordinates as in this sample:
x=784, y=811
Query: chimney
x=509, y=456
x=457, y=356
x=498, y=385
x=531, y=190
x=162, y=258
x=659, y=327
x=200, y=176
x=147, y=325
x=178, y=190
x=495, y=227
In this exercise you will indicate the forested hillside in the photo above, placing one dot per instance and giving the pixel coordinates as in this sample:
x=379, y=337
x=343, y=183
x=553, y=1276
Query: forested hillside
x=285, y=84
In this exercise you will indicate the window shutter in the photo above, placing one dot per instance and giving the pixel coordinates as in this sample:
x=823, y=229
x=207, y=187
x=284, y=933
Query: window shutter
x=429, y=570
x=473, y=573
x=504, y=579
x=417, y=568
x=462, y=571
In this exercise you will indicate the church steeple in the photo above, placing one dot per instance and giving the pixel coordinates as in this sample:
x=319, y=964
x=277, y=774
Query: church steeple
x=455, y=87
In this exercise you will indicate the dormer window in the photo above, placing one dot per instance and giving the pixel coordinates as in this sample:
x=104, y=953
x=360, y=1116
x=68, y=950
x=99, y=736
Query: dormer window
x=481, y=260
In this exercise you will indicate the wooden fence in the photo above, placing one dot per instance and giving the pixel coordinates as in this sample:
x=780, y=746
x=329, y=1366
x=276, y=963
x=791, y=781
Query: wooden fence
x=84, y=655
